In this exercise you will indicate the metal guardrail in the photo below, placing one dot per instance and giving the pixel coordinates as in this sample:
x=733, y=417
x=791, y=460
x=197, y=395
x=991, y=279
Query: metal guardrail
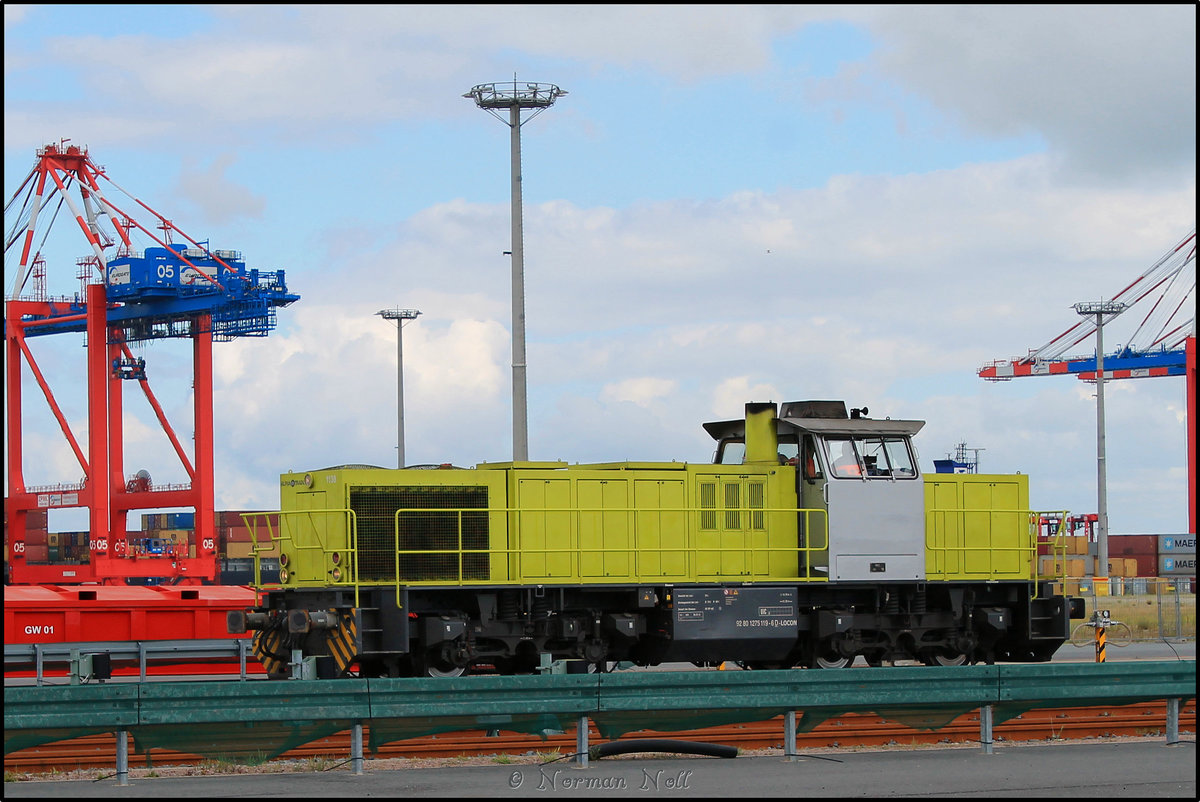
x=220, y=716
x=36, y=656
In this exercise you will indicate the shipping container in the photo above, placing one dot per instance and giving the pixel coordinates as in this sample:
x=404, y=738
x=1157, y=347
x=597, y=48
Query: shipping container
x=1176, y=544
x=234, y=517
x=1177, y=565
x=40, y=537
x=1122, y=567
x=241, y=534
x=181, y=520
x=37, y=552
x=1147, y=564
x=241, y=571
x=1132, y=545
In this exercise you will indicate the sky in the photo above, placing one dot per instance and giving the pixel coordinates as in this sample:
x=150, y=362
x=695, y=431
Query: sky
x=730, y=204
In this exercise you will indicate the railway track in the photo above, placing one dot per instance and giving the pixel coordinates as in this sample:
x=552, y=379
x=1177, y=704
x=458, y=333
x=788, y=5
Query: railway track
x=849, y=730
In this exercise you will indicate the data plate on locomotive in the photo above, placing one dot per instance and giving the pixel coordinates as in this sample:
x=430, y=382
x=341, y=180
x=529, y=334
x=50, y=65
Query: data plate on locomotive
x=731, y=613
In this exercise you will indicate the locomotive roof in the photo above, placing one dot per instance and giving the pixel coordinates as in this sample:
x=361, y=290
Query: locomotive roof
x=821, y=426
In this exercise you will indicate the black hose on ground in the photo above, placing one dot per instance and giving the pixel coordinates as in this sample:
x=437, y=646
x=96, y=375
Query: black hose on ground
x=662, y=745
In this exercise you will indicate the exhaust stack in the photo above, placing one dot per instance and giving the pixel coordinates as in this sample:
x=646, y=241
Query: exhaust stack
x=762, y=437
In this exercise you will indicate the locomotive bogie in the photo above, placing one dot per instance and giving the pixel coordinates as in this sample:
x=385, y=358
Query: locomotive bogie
x=444, y=631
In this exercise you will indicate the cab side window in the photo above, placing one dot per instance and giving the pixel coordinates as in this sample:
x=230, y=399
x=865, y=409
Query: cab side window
x=789, y=451
x=810, y=465
x=732, y=452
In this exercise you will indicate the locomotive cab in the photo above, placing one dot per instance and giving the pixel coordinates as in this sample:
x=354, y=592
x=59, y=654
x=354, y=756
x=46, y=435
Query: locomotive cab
x=860, y=476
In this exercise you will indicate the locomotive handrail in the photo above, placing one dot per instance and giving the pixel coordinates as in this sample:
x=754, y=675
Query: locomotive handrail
x=520, y=555
x=517, y=559
x=279, y=539
x=985, y=548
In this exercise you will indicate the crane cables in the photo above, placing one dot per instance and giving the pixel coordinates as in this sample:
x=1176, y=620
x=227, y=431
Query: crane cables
x=1173, y=287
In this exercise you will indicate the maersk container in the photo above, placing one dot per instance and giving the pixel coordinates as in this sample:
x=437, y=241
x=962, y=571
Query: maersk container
x=1177, y=565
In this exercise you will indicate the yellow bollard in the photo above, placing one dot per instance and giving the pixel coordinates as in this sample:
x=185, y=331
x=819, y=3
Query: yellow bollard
x=1101, y=622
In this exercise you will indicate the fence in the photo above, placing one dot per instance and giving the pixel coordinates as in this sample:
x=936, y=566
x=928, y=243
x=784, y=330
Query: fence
x=266, y=719
x=1153, y=608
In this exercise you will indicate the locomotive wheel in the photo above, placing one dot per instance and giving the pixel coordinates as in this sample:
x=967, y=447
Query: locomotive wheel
x=441, y=669
x=944, y=658
x=435, y=666
x=444, y=671
x=829, y=657
x=832, y=660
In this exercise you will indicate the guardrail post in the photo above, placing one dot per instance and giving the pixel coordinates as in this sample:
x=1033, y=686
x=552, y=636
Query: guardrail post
x=581, y=742
x=985, y=729
x=122, y=758
x=356, y=748
x=1172, y=721
x=789, y=735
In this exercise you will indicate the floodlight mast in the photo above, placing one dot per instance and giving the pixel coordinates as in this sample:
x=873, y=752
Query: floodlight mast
x=515, y=97
x=399, y=315
x=1099, y=310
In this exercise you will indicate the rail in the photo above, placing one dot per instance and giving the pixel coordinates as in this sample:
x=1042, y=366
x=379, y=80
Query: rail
x=264, y=719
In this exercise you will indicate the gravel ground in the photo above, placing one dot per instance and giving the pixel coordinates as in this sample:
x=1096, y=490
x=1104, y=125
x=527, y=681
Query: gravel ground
x=339, y=763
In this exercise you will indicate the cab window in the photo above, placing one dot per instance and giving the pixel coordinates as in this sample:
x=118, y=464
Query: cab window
x=732, y=451
x=872, y=457
x=789, y=451
x=810, y=464
x=843, y=458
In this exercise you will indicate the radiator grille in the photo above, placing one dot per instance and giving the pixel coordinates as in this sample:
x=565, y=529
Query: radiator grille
x=434, y=534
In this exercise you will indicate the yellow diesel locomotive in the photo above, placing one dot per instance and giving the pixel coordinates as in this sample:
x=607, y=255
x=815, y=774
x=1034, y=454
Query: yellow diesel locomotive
x=812, y=539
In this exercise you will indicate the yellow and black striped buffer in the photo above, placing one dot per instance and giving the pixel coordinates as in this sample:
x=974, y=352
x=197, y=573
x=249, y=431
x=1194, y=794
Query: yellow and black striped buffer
x=342, y=642
x=266, y=646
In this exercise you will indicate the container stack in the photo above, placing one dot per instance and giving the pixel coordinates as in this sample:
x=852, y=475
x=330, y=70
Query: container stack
x=1130, y=558
x=169, y=534
x=37, y=538
x=237, y=542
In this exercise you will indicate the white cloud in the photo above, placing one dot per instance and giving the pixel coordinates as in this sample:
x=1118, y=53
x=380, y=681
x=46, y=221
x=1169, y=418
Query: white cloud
x=1113, y=90
x=219, y=199
x=640, y=391
x=884, y=287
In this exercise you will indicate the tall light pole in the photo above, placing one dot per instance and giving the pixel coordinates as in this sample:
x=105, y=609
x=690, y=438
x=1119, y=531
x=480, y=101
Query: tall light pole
x=399, y=316
x=1099, y=310
x=515, y=97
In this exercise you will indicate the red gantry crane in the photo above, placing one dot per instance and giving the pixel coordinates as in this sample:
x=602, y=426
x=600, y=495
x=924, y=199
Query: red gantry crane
x=175, y=288
x=1164, y=343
